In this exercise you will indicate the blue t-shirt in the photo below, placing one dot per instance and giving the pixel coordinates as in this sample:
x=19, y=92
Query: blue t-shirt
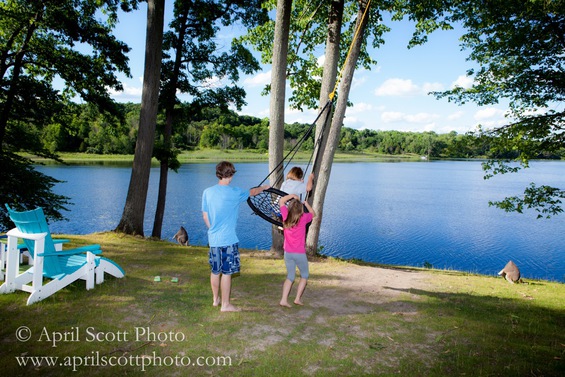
x=222, y=202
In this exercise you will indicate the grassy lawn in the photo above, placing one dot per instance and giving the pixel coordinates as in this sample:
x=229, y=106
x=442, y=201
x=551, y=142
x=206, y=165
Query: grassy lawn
x=217, y=155
x=357, y=320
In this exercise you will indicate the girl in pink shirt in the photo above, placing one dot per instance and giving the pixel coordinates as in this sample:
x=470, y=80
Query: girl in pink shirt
x=294, y=228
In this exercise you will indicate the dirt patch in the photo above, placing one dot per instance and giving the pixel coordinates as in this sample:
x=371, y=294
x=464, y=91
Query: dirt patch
x=336, y=295
x=359, y=289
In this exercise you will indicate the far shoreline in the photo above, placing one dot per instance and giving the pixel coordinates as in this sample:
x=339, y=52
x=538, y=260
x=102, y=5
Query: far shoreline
x=217, y=155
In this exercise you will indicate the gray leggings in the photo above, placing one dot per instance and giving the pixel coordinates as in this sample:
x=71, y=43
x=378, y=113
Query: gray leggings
x=291, y=260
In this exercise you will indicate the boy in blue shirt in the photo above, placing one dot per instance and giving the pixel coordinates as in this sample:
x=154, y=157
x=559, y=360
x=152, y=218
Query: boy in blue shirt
x=220, y=209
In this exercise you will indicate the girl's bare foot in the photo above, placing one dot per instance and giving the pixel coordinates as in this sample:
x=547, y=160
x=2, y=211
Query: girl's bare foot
x=298, y=302
x=230, y=308
x=285, y=304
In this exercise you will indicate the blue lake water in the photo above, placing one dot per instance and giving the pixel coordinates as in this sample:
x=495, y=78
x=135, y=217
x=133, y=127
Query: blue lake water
x=404, y=213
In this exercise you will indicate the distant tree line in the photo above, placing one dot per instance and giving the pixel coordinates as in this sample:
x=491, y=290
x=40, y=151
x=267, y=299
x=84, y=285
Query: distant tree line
x=82, y=128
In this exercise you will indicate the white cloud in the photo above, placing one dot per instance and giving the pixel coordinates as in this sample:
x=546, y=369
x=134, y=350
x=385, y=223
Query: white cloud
x=260, y=79
x=392, y=116
x=456, y=115
x=397, y=87
x=402, y=87
x=463, y=81
x=419, y=118
x=360, y=107
x=129, y=93
x=357, y=82
x=432, y=87
x=488, y=113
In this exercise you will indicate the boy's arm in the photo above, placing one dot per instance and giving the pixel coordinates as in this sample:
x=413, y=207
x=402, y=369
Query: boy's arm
x=257, y=190
x=206, y=220
x=310, y=183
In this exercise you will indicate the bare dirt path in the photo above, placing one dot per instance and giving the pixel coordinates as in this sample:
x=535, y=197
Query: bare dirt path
x=363, y=287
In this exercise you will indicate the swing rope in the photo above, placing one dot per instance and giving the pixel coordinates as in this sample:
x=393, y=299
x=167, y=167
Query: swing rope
x=266, y=204
x=297, y=146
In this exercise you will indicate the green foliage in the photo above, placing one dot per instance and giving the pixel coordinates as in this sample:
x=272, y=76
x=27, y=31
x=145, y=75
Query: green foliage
x=308, y=34
x=544, y=199
x=82, y=128
x=519, y=49
x=33, y=189
x=40, y=42
x=43, y=40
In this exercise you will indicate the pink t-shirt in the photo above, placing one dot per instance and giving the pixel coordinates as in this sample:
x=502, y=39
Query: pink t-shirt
x=295, y=237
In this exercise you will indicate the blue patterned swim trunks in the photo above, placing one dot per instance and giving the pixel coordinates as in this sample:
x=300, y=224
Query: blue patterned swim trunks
x=224, y=259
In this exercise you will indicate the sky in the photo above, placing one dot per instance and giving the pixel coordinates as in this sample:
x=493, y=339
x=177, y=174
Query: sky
x=391, y=96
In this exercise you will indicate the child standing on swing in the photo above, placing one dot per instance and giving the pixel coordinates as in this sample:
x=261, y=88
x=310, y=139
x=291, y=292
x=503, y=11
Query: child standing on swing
x=294, y=229
x=294, y=183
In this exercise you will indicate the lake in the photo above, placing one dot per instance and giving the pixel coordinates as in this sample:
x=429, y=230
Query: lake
x=404, y=213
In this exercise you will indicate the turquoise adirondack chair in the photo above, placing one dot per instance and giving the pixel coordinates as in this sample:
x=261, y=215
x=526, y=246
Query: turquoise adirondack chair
x=60, y=267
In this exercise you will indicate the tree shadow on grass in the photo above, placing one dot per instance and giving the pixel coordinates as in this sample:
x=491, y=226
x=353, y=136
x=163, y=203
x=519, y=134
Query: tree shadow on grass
x=492, y=331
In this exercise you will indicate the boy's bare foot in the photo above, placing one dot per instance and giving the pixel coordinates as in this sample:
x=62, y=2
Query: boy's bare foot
x=217, y=302
x=298, y=302
x=230, y=308
x=285, y=304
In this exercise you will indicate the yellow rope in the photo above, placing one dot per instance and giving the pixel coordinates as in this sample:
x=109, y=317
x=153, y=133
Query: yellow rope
x=332, y=94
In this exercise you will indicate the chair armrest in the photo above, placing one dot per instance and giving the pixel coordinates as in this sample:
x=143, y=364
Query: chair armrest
x=94, y=249
x=69, y=252
x=4, y=240
x=28, y=236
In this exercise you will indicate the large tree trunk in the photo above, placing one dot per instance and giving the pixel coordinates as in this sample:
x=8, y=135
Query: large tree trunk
x=162, y=195
x=332, y=137
x=277, y=104
x=170, y=100
x=329, y=77
x=134, y=209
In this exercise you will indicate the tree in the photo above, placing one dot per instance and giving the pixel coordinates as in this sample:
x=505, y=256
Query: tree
x=197, y=61
x=482, y=17
x=519, y=48
x=332, y=139
x=309, y=29
x=277, y=104
x=41, y=41
x=134, y=208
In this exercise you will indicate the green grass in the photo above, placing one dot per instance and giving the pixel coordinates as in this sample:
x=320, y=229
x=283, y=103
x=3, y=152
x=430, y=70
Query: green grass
x=217, y=155
x=448, y=324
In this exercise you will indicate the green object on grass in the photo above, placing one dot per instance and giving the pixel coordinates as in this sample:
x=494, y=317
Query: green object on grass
x=175, y=280
x=157, y=278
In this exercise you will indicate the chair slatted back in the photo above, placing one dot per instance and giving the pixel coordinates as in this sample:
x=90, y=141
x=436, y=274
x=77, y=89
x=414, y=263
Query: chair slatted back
x=34, y=221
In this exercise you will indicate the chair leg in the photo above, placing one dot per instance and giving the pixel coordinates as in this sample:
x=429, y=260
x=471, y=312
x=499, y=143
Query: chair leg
x=12, y=265
x=90, y=265
x=2, y=260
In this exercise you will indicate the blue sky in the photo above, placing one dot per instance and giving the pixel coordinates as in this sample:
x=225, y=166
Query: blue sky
x=391, y=96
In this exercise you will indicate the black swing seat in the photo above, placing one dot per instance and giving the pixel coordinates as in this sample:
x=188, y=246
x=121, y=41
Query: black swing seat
x=266, y=205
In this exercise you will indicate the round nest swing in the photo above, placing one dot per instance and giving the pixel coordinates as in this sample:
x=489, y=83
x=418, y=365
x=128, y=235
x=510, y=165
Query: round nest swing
x=266, y=203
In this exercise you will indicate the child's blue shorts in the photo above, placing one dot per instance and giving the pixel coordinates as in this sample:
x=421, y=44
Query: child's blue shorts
x=224, y=259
